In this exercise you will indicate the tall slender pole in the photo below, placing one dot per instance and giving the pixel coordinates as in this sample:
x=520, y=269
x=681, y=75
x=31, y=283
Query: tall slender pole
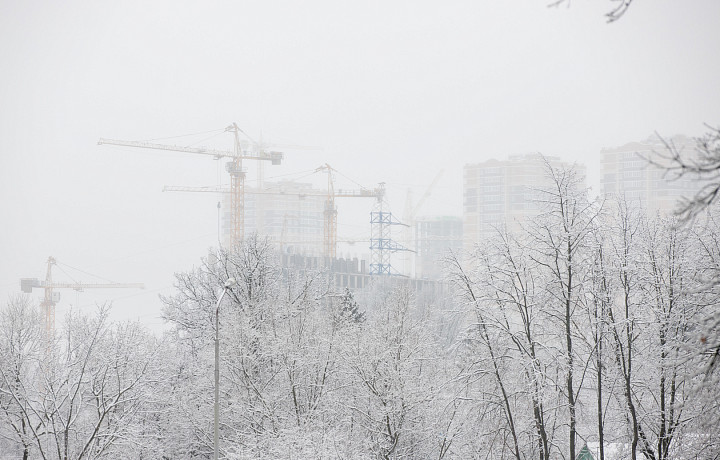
x=216, y=443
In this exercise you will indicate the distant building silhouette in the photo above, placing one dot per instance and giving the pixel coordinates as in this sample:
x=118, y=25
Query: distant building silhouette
x=434, y=237
x=503, y=193
x=626, y=173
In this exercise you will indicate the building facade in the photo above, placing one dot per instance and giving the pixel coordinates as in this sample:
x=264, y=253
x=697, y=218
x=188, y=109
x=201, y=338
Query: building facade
x=502, y=194
x=626, y=173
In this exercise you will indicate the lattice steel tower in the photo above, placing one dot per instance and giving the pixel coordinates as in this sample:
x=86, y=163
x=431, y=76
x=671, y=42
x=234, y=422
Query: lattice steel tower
x=381, y=242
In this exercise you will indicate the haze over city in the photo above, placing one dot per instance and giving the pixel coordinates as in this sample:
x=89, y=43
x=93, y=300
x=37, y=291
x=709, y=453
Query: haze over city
x=553, y=306
x=390, y=92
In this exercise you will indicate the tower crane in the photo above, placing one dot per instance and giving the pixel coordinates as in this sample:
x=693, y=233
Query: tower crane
x=52, y=298
x=410, y=235
x=330, y=212
x=234, y=168
x=428, y=191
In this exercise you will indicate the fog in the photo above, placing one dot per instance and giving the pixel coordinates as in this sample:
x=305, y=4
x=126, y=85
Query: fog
x=389, y=92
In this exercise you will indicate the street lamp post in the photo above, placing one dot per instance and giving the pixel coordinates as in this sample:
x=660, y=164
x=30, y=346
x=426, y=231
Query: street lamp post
x=228, y=284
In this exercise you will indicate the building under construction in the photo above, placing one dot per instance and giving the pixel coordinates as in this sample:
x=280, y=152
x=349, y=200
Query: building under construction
x=290, y=213
x=296, y=216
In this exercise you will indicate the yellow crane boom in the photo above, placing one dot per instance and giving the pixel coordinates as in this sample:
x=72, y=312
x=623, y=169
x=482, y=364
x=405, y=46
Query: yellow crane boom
x=234, y=168
x=274, y=157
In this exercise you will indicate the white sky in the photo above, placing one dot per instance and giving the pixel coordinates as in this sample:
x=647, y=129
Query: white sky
x=392, y=91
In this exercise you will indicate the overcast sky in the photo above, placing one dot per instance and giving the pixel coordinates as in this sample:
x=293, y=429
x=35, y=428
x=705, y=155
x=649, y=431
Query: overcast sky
x=392, y=91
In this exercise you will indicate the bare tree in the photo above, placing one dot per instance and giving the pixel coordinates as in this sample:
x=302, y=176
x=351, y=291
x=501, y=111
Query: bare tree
x=623, y=315
x=282, y=333
x=394, y=361
x=19, y=345
x=513, y=294
x=85, y=397
x=617, y=11
x=481, y=333
x=560, y=240
x=600, y=294
x=707, y=234
x=655, y=301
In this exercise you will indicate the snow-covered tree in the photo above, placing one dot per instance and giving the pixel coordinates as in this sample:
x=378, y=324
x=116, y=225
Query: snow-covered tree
x=81, y=394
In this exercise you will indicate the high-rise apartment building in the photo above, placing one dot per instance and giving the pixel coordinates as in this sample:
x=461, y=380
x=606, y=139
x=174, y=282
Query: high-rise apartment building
x=504, y=193
x=626, y=172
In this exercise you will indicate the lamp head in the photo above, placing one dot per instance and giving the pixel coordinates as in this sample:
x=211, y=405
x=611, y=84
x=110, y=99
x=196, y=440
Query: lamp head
x=230, y=282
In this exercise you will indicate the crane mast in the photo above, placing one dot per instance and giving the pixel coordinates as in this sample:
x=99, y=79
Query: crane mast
x=48, y=303
x=330, y=214
x=237, y=189
x=330, y=211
